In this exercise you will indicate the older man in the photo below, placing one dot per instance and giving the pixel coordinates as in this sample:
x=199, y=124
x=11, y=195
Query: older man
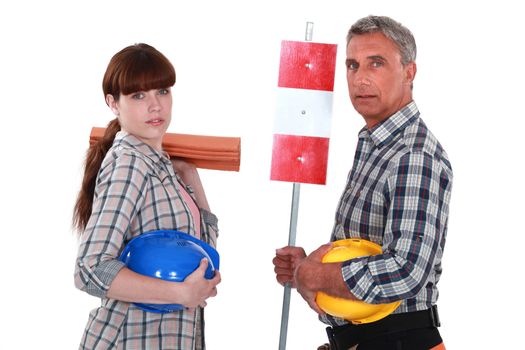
x=397, y=196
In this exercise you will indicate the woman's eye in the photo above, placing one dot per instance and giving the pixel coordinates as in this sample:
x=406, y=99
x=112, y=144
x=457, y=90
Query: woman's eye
x=164, y=91
x=137, y=96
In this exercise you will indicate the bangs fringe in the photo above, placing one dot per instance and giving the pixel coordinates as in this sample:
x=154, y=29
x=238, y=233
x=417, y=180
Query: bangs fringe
x=138, y=67
x=146, y=73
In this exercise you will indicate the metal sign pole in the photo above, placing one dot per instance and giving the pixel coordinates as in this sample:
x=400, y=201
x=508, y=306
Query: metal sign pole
x=287, y=288
x=291, y=236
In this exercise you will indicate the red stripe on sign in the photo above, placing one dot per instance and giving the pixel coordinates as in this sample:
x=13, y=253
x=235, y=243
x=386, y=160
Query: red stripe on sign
x=306, y=65
x=301, y=159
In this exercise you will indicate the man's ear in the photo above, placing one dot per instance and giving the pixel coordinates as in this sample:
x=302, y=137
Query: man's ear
x=112, y=104
x=410, y=72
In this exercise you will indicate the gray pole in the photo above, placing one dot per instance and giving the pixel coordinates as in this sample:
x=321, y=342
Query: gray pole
x=291, y=242
x=291, y=235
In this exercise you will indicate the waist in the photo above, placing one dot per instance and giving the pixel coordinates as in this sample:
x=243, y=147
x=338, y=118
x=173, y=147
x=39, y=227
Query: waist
x=346, y=336
x=406, y=306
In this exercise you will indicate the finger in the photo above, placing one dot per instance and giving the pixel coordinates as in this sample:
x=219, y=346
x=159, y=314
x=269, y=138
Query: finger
x=288, y=275
x=217, y=278
x=280, y=260
x=283, y=279
x=200, y=270
x=283, y=270
x=282, y=248
x=316, y=308
x=203, y=265
x=287, y=250
x=313, y=306
x=290, y=251
x=321, y=251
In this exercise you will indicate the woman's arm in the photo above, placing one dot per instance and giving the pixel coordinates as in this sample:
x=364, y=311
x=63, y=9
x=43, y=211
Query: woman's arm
x=120, y=192
x=133, y=287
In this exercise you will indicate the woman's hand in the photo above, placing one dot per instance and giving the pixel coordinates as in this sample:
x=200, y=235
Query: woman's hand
x=182, y=167
x=197, y=288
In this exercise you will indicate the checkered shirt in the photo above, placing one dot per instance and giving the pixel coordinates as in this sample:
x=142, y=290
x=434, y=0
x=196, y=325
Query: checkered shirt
x=397, y=195
x=135, y=193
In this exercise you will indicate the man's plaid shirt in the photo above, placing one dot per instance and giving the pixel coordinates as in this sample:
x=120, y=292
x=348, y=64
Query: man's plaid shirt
x=397, y=195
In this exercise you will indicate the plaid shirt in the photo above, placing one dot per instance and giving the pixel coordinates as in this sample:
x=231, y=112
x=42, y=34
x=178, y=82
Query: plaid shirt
x=135, y=193
x=397, y=195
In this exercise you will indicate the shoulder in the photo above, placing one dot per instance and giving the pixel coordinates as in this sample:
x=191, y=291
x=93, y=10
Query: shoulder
x=126, y=161
x=418, y=154
x=422, y=144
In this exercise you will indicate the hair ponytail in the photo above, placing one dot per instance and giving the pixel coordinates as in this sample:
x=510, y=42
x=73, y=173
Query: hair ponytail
x=95, y=156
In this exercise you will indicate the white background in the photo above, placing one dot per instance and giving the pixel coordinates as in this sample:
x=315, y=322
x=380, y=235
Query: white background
x=469, y=88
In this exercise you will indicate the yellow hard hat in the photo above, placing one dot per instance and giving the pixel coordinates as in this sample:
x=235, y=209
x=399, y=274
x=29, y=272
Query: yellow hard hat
x=355, y=311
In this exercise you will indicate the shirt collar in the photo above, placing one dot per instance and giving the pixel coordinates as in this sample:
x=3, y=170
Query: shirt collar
x=385, y=131
x=125, y=139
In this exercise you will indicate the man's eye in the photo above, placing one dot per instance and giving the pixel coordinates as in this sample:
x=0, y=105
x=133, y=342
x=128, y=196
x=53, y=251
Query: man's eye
x=377, y=64
x=352, y=66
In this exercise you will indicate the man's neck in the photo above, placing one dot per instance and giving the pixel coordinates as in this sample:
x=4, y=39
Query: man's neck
x=372, y=122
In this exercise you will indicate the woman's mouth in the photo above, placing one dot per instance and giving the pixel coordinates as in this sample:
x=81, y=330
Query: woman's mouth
x=155, y=122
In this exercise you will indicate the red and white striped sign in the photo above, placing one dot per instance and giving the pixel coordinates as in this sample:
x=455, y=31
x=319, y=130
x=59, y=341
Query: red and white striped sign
x=303, y=112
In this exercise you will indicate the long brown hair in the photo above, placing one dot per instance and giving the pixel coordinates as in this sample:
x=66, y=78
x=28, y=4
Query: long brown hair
x=138, y=67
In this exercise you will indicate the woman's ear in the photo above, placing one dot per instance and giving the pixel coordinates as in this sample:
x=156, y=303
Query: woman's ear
x=112, y=104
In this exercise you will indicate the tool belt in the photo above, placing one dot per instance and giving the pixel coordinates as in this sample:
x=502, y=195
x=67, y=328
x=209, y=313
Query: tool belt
x=344, y=337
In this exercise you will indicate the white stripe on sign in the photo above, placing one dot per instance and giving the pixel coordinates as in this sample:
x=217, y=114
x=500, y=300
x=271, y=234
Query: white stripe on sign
x=303, y=112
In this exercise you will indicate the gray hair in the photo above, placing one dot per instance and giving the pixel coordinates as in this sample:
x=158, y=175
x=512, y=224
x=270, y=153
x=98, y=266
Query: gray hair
x=393, y=30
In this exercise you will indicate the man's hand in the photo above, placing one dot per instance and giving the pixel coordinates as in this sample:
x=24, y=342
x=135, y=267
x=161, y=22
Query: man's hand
x=309, y=275
x=285, y=262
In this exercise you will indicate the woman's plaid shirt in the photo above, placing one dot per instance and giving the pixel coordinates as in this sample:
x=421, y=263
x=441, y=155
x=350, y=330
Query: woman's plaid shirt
x=397, y=195
x=135, y=193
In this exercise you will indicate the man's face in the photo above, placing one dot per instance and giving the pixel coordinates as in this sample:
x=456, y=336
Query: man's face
x=378, y=84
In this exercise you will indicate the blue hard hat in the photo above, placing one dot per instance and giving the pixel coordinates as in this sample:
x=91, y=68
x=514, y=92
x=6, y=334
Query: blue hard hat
x=168, y=255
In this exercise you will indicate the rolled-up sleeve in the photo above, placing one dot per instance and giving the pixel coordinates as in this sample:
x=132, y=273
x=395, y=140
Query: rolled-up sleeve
x=211, y=229
x=417, y=194
x=118, y=196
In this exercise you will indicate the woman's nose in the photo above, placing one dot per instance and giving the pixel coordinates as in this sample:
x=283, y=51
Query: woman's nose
x=154, y=103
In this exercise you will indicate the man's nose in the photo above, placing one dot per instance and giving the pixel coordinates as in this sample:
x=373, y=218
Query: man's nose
x=361, y=78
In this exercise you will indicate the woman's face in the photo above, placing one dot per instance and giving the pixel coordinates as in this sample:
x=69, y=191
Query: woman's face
x=144, y=114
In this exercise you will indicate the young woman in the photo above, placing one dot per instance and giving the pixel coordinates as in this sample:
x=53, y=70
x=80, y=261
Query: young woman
x=130, y=187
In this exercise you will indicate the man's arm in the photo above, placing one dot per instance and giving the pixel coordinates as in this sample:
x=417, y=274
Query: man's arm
x=417, y=193
x=312, y=276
